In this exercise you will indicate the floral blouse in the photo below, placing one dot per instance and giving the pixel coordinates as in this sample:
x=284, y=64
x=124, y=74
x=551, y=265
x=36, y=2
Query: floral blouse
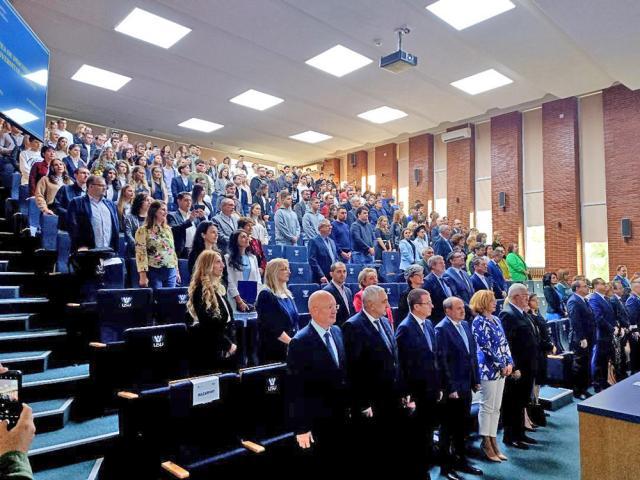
x=154, y=248
x=493, y=348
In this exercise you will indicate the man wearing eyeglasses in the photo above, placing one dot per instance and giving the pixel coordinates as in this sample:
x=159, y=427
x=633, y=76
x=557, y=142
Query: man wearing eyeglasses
x=417, y=350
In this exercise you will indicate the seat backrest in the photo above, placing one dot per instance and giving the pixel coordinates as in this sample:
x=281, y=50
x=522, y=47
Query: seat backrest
x=64, y=249
x=185, y=273
x=119, y=309
x=563, y=329
x=15, y=185
x=271, y=228
x=49, y=226
x=390, y=262
x=295, y=253
x=248, y=290
x=170, y=304
x=300, y=272
x=273, y=251
x=499, y=305
x=353, y=270
x=156, y=354
x=301, y=293
x=33, y=216
x=393, y=292
x=262, y=401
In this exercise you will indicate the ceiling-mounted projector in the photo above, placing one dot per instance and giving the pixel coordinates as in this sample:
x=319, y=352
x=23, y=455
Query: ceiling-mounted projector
x=400, y=60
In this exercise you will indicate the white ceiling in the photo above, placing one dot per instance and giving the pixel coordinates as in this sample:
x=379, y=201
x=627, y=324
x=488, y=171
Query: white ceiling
x=548, y=47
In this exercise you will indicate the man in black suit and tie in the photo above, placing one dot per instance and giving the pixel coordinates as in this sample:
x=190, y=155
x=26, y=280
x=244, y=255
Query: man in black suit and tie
x=442, y=246
x=374, y=373
x=480, y=280
x=581, y=337
x=322, y=253
x=318, y=404
x=422, y=382
x=459, y=367
x=341, y=293
x=523, y=341
x=606, y=329
x=438, y=286
x=458, y=278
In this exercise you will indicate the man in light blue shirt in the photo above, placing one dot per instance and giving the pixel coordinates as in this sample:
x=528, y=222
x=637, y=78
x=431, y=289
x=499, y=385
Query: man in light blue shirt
x=100, y=215
x=311, y=220
x=286, y=220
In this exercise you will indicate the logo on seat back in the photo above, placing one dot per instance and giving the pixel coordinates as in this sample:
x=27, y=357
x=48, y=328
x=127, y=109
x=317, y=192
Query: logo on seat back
x=182, y=298
x=125, y=302
x=157, y=340
x=305, y=293
x=273, y=385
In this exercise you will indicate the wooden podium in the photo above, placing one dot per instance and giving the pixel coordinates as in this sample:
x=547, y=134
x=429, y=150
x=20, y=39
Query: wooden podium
x=610, y=432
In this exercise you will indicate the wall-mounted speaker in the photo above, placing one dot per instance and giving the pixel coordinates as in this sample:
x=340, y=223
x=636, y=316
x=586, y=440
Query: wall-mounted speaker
x=625, y=227
x=417, y=175
x=353, y=160
x=502, y=200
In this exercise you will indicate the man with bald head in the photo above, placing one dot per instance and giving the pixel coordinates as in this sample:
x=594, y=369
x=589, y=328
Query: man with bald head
x=459, y=367
x=318, y=386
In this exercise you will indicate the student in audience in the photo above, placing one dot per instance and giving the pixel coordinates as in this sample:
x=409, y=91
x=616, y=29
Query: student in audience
x=226, y=221
x=206, y=238
x=182, y=183
x=286, y=221
x=156, y=258
x=374, y=377
x=310, y=220
x=123, y=173
x=341, y=293
x=259, y=227
x=125, y=200
x=408, y=250
x=497, y=276
x=73, y=161
x=322, y=253
x=606, y=329
x=241, y=265
x=48, y=187
x=414, y=276
x=495, y=365
x=92, y=219
x=213, y=332
x=139, y=180
x=62, y=148
x=222, y=180
x=422, y=381
x=525, y=347
x=441, y=245
x=555, y=305
x=28, y=157
x=107, y=157
x=136, y=218
x=420, y=239
x=157, y=186
x=362, y=238
x=40, y=169
x=480, y=279
x=262, y=199
x=112, y=193
x=518, y=271
x=459, y=365
x=255, y=245
x=621, y=276
x=438, y=286
x=68, y=192
x=397, y=226
x=383, y=237
x=563, y=286
x=183, y=223
x=277, y=313
x=200, y=202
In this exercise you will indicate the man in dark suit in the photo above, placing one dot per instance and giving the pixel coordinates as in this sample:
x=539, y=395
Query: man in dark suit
x=606, y=328
x=262, y=198
x=621, y=276
x=322, y=253
x=581, y=337
x=633, y=307
x=458, y=278
x=499, y=283
x=459, y=367
x=68, y=193
x=618, y=298
x=92, y=219
x=438, y=286
x=523, y=341
x=442, y=246
x=480, y=280
x=87, y=147
x=318, y=402
x=374, y=373
x=341, y=293
x=183, y=223
x=182, y=182
x=422, y=382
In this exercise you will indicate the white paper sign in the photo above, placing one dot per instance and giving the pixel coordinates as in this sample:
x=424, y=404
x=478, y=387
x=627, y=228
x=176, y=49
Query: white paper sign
x=205, y=389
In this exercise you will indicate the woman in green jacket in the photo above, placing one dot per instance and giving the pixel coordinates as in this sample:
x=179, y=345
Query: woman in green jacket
x=517, y=268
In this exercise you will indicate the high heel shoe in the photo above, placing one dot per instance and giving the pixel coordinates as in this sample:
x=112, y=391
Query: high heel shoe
x=487, y=449
x=496, y=449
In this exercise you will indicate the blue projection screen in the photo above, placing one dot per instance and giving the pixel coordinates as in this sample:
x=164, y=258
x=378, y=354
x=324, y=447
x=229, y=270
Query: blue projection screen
x=24, y=72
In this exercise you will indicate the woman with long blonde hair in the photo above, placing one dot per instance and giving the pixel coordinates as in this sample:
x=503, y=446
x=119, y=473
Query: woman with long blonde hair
x=212, y=327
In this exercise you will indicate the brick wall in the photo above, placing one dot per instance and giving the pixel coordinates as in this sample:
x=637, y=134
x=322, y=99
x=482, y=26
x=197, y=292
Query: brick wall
x=506, y=176
x=461, y=191
x=355, y=173
x=332, y=165
x=421, y=158
x=387, y=168
x=621, y=109
x=561, y=175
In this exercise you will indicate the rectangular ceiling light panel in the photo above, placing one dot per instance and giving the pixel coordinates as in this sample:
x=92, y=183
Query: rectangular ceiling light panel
x=151, y=28
x=382, y=115
x=461, y=14
x=256, y=100
x=482, y=82
x=311, y=137
x=100, y=78
x=200, y=125
x=339, y=61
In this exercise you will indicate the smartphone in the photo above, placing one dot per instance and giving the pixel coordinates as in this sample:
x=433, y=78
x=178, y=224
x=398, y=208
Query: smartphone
x=10, y=395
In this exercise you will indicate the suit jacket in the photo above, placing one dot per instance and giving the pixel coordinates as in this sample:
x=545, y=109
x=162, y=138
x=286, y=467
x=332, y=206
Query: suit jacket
x=499, y=283
x=62, y=201
x=317, y=386
x=477, y=284
x=458, y=366
x=523, y=339
x=373, y=370
x=179, y=229
x=264, y=204
x=633, y=308
x=620, y=310
x=243, y=197
x=345, y=312
x=319, y=258
x=438, y=295
x=178, y=186
x=79, y=224
x=554, y=302
x=442, y=247
x=273, y=319
x=461, y=289
x=418, y=363
x=623, y=280
x=71, y=168
x=583, y=325
x=604, y=316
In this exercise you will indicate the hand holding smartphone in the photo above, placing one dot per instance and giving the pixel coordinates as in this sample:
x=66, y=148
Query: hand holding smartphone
x=10, y=394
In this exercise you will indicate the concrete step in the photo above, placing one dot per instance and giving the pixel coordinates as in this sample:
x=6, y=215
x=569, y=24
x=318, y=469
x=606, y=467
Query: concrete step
x=26, y=362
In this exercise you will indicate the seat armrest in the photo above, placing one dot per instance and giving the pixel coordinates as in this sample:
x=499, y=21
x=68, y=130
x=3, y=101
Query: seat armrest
x=252, y=446
x=129, y=396
x=176, y=470
x=97, y=345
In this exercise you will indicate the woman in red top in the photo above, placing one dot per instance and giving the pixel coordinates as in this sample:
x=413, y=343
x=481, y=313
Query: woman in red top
x=368, y=276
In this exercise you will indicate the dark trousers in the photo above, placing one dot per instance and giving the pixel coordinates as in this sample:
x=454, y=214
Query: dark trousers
x=634, y=354
x=330, y=456
x=602, y=353
x=420, y=427
x=581, y=367
x=455, y=423
x=517, y=394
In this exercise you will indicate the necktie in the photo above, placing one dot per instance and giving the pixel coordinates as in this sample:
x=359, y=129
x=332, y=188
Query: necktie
x=463, y=335
x=328, y=244
x=464, y=279
x=382, y=333
x=327, y=340
x=427, y=334
x=445, y=287
x=484, y=280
